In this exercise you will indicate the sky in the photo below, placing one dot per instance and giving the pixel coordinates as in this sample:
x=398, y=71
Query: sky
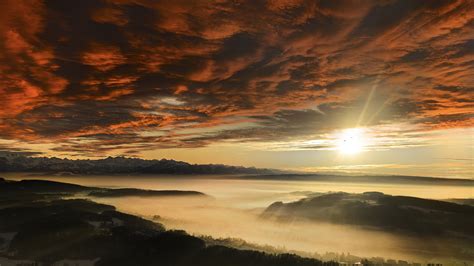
x=329, y=86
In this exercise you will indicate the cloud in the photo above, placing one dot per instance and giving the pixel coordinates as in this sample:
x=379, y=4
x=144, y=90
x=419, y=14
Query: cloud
x=6, y=151
x=103, y=58
x=125, y=69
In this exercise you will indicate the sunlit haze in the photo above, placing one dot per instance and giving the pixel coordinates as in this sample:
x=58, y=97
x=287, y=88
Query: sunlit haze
x=352, y=141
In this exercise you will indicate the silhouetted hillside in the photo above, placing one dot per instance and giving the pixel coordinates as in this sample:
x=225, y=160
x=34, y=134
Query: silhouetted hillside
x=469, y=202
x=41, y=186
x=28, y=189
x=127, y=192
x=12, y=162
x=375, y=209
x=46, y=229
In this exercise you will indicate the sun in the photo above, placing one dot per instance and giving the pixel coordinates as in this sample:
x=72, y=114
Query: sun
x=351, y=141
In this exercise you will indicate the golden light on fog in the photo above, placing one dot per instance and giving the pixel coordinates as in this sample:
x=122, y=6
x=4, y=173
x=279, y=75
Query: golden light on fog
x=351, y=141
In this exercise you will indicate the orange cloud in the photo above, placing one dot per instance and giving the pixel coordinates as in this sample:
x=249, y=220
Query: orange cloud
x=103, y=57
x=106, y=68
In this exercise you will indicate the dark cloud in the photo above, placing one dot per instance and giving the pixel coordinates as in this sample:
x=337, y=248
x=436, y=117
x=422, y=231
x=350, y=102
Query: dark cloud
x=101, y=75
x=7, y=151
x=50, y=120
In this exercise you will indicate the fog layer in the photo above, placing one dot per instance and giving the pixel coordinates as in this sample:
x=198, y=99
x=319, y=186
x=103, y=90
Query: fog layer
x=234, y=209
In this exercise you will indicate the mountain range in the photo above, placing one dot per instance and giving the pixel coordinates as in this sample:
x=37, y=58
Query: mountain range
x=18, y=162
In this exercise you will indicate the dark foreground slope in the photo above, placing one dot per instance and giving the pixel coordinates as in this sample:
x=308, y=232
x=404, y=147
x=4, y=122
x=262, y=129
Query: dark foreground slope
x=44, y=228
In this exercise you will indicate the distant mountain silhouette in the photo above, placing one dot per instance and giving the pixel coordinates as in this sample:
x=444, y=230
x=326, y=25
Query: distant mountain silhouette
x=17, y=162
x=378, y=210
x=389, y=179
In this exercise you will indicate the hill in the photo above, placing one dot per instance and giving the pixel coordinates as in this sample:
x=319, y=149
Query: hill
x=28, y=190
x=43, y=228
x=377, y=210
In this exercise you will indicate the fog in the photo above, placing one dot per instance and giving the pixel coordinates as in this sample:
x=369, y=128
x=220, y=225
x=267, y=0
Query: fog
x=220, y=219
x=257, y=193
x=234, y=206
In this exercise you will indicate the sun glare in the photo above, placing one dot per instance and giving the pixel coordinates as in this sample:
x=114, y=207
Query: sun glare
x=351, y=141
